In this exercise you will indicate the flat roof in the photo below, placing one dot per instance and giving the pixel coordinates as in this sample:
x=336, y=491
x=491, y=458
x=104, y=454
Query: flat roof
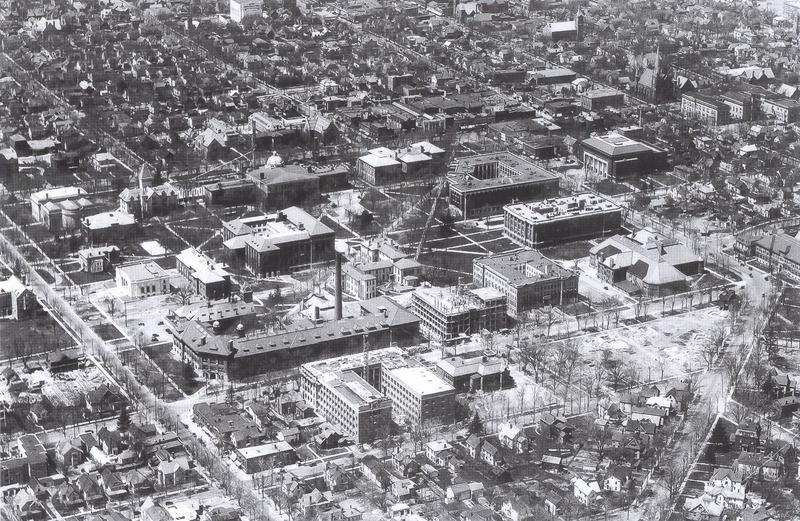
x=352, y=389
x=267, y=449
x=562, y=208
x=390, y=356
x=462, y=179
x=421, y=380
x=142, y=271
x=614, y=145
x=523, y=267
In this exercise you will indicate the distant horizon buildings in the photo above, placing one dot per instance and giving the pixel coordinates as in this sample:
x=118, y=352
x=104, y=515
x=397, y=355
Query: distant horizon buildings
x=243, y=9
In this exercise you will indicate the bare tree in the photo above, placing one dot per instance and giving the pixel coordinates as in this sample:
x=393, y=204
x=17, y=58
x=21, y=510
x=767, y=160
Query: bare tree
x=111, y=305
x=737, y=411
x=549, y=318
x=616, y=372
x=184, y=294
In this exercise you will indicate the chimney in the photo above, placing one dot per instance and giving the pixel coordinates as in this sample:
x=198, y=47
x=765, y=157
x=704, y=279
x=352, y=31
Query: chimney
x=216, y=326
x=240, y=331
x=316, y=313
x=338, y=282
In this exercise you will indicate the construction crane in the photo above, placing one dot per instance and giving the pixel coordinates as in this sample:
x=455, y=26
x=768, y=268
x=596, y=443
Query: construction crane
x=439, y=190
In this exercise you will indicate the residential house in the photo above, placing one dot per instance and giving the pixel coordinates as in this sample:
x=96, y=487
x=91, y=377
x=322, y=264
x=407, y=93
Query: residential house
x=68, y=496
x=513, y=437
x=27, y=506
x=656, y=415
x=105, y=400
x=703, y=508
x=337, y=478
x=173, y=473
x=314, y=502
x=92, y=490
x=375, y=471
x=405, y=464
x=114, y=486
x=556, y=428
x=586, y=493
x=473, y=445
x=434, y=449
x=402, y=489
x=746, y=437
x=752, y=464
x=553, y=502
x=491, y=454
x=69, y=453
x=727, y=487
x=616, y=478
x=112, y=442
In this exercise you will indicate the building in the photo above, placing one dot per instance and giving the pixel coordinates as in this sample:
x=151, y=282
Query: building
x=619, y=157
x=152, y=200
x=481, y=185
x=30, y=462
x=346, y=399
x=527, y=278
x=61, y=208
x=104, y=162
x=287, y=241
x=384, y=166
x=450, y=315
x=142, y=279
x=705, y=108
x=418, y=395
x=779, y=253
x=552, y=76
x=244, y=9
x=569, y=30
x=241, y=353
x=480, y=373
x=784, y=111
x=357, y=283
x=107, y=227
x=263, y=457
x=556, y=221
x=99, y=259
x=53, y=195
x=17, y=300
x=285, y=185
x=369, y=368
x=656, y=266
x=206, y=278
x=598, y=99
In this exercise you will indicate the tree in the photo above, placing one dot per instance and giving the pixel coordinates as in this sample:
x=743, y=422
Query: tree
x=476, y=425
x=184, y=294
x=616, y=372
x=111, y=305
x=124, y=420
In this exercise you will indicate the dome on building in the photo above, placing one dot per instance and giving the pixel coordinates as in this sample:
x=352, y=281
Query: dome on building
x=275, y=161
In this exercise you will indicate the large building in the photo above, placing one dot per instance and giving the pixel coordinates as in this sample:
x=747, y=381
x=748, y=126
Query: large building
x=238, y=352
x=346, y=399
x=16, y=299
x=481, y=185
x=142, y=279
x=148, y=201
x=779, y=252
x=206, y=278
x=383, y=165
x=61, y=208
x=418, y=396
x=244, y=9
x=287, y=241
x=107, y=227
x=527, y=278
x=478, y=373
x=704, y=107
x=598, y=99
x=645, y=263
x=284, y=185
x=452, y=315
x=619, y=157
x=556, y=221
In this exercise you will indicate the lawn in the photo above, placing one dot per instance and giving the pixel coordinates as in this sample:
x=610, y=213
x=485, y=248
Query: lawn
x=178, y=371
x=569, y=251
x=39, y=334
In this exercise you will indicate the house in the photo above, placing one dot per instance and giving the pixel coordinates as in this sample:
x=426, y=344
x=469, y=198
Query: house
x=668, y=403
x=433, y=450
x=703, y=508
x=491, y=454
x=727, y=487
x=314, y=502
x=114, y=486
x=752, y=464
x=69, y=453
x=405, y=465
x=16, y=299
x=747, y=435
x=403, y=489
x=337, y=478
x=513, y=437
x=91, y=489
x=586, y=493
x=516, y=508
x=290, y=435
x=27, y=506
x=556, y=428
x=552, y=502
x=138, y=483
x=112, y=442
x=757, y=514
x=69, y=496
x=105, y=400
x=473, y=445
x=375, y=471
x=616, y=478
x=479, y=513
x=656, y=415
x=63, y=360
x=464, y=491
x=173, y=473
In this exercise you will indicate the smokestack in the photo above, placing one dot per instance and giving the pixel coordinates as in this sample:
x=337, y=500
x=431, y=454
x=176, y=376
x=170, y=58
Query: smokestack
x=141, y=193
x=338, y=286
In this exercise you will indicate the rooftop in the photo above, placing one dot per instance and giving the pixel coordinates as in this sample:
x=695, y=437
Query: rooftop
x=522, y=171
x=142, y=271
x=617, y=145
x=523, y=267
x=389, y=357
x=451, y=301
x=352, y=389
x=421, y=380
x=563, y=208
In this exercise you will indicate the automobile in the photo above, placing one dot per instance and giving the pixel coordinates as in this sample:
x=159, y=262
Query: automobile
x=751, y=275
x=154, y=337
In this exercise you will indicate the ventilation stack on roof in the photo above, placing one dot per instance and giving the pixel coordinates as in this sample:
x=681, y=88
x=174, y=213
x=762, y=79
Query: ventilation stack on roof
x=338, y=283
